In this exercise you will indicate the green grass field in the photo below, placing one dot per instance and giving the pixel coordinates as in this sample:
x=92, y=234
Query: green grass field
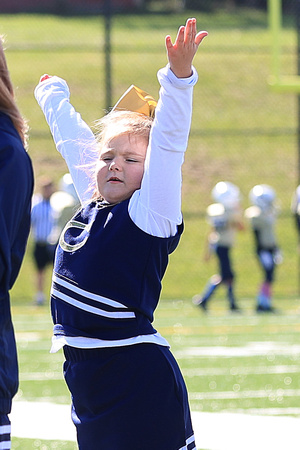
x=243, y=132
x=231, y=363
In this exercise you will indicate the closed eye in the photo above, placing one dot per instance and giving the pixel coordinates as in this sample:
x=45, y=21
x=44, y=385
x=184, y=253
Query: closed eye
x=131, y=160
x=106, y=158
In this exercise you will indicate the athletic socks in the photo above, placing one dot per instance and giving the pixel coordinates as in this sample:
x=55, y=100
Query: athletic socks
x=212, y=284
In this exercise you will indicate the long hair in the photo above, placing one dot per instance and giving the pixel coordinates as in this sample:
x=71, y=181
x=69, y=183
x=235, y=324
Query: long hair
x=7, y=99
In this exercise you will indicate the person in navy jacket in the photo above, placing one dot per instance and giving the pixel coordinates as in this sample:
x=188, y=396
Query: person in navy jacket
x=16, y=186
x=127, y=390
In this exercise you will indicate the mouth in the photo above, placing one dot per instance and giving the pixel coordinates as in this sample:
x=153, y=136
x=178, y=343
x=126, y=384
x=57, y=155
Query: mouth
x=114, y=180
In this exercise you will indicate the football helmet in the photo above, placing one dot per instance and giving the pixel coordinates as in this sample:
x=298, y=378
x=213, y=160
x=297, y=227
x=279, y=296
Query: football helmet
x=262, y=196
x=226, y=193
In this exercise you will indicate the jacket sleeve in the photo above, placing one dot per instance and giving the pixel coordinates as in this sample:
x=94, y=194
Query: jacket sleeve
x=15, y=200
x=73, y=138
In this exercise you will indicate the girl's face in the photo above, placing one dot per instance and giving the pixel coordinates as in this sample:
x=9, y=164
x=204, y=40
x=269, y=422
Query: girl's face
x=120, y=168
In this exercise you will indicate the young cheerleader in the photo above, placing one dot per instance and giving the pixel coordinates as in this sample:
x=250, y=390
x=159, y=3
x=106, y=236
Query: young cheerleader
x=127, y=390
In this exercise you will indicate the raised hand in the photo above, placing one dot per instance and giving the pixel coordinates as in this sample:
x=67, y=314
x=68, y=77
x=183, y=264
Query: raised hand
x=182, y=52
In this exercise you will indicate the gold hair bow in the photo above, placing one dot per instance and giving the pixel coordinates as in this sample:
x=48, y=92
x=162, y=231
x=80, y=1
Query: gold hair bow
x=136, y=100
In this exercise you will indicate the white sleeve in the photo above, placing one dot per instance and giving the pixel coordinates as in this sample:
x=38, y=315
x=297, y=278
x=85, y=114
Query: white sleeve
x=72, y=136
x=156, y=207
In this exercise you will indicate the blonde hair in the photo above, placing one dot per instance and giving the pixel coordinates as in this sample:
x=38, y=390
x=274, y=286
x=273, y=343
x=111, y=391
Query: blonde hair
x=7, y=99
x=119, y=122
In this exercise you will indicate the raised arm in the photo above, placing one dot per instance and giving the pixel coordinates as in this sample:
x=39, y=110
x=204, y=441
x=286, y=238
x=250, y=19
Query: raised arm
x=72, y=136
x=156, y=207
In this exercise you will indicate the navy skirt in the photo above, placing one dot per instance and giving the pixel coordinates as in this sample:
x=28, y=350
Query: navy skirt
x=128, y=398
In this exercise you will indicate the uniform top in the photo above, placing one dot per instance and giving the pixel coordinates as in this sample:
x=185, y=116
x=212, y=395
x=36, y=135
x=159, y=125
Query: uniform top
x=107, y=275
x=263, y=224
x=154, y=209
x=225, y=222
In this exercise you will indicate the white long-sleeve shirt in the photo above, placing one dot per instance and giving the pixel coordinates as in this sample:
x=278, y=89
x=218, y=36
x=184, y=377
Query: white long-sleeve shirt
x=156, y=206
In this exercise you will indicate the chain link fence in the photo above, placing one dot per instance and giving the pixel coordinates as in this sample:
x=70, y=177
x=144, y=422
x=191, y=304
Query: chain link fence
x=242, y=131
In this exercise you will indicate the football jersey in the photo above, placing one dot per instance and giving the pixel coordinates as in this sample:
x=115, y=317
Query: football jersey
x=224, y=221
x=263, y=223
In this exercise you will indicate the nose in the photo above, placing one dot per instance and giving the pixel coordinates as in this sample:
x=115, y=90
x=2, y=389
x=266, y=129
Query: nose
x=114, y=165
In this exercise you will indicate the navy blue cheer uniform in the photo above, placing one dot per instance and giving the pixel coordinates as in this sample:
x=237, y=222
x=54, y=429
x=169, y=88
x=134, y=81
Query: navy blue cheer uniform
x=127, y=390
x=116, y=306
x=16, y=188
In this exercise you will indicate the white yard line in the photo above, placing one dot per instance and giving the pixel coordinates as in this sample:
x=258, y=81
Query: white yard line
x=42, y=420
x=272, y=394
x=223, y=431
x=251, y=349
x=236, y=370
x=213, y=431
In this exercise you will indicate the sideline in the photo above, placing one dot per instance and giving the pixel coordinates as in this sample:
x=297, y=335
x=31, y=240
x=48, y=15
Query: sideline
x=213, y=431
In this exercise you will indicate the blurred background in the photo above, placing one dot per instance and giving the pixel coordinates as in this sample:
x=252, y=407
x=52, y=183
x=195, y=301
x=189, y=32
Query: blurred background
x=243, y=131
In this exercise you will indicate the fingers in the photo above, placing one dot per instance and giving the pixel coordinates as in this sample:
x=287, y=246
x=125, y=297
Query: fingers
x=187, y=34
x=190, y=32
x=181, y=35
x=169, y=42
x=200, y=36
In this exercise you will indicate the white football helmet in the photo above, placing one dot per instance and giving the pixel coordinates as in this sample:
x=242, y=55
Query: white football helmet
x=226, y=193
x=262, y=196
